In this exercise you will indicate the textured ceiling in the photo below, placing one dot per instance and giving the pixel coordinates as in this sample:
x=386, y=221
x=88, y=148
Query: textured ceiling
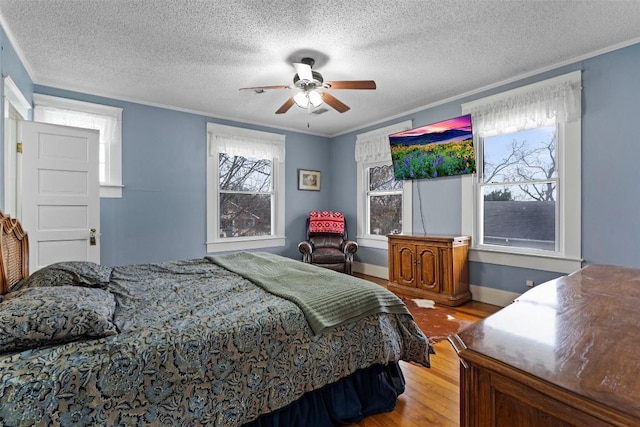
x=195, y=55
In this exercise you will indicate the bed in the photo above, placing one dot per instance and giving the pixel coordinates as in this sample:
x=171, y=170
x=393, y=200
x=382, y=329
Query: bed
x=243, y=339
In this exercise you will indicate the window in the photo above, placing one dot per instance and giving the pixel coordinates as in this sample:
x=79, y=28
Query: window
x=384, y=201
x=246, y=195
x=518, y=190
x=523, y=207
x=384, y=204
x=107, y=120
x=245, y=189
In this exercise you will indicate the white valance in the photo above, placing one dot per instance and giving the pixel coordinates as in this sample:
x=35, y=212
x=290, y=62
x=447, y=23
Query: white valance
x=106, y=125
x=374, y=146
x=535, y=105
x=245, y=142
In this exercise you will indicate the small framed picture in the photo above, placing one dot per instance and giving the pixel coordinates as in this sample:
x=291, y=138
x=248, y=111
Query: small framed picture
x=308, y=180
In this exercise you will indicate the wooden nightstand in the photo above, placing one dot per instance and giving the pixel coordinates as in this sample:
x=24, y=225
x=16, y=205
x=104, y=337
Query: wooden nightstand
x=432, y=267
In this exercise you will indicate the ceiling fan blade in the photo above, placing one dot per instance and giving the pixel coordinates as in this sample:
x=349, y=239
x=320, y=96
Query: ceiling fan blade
x=285, y=107
x=266, y=87
x=303, y=71
x=352, y=84
x=334, y=102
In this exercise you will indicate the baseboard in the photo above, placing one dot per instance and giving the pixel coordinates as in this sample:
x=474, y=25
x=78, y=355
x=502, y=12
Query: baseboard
x=371, y=270
x=479, y=293
x=492, y=296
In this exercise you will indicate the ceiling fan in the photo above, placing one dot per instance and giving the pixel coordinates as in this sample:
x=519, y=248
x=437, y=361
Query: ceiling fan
x=308, y=83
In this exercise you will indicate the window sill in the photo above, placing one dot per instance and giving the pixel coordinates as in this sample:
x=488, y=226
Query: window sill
x=525, y=260
x=245, y=244
x=111, y=191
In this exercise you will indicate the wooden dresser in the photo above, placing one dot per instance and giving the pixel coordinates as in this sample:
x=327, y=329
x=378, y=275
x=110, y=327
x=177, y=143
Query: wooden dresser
x=565, y=353
x=432, y=267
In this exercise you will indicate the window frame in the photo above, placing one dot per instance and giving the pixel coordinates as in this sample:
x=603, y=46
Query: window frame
x=112, y=187
x=567, y=257
x=16, y=109
x=365, y=238
x=277, y=238
x=379, y=155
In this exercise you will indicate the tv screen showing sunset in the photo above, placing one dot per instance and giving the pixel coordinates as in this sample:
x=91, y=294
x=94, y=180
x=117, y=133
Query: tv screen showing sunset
x=436, y=150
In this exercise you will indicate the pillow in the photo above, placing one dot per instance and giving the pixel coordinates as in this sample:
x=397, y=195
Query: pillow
x=78, y=273
x=36, y=317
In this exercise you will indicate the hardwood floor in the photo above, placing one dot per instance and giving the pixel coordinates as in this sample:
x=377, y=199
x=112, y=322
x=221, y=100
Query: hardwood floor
x=432, y=395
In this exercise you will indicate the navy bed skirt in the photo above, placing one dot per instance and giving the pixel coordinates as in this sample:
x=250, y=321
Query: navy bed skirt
x=366, y=392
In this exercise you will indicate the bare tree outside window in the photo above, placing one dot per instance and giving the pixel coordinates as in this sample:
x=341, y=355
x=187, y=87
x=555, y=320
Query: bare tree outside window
x=246, y=194
x=519, y=189
x=385, y=201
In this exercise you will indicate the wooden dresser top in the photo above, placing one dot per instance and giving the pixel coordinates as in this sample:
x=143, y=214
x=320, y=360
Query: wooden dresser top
x=430, y=237
x=580, y=333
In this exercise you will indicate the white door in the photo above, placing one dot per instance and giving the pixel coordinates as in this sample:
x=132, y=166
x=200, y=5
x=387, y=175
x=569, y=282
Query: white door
x=60, y=194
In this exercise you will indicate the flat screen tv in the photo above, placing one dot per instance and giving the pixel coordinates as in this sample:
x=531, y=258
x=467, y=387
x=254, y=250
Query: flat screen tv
x=432, y=151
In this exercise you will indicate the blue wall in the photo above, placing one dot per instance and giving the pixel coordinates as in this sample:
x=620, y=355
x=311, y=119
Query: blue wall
x=10, y=65
x=611, y=158
x=162, y=213
x=610, y=153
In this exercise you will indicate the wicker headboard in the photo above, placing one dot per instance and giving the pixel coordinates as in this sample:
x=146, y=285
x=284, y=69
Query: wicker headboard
x=14, y=253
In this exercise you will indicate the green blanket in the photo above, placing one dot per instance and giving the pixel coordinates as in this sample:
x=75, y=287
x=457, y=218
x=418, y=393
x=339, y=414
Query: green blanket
x=326, y=297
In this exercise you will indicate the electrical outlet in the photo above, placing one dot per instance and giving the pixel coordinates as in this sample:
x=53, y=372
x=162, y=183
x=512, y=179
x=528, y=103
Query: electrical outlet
x=529, y=283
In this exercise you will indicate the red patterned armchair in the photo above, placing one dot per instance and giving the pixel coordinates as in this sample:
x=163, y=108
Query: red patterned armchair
x=327, y=244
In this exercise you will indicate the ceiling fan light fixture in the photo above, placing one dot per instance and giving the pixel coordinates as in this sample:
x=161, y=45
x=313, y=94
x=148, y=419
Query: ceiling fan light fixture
x=315, y=98
x=306, y=97
x=301, y=99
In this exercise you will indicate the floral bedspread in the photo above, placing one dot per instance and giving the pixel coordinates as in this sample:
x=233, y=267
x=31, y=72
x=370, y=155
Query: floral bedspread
x=197, y=345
